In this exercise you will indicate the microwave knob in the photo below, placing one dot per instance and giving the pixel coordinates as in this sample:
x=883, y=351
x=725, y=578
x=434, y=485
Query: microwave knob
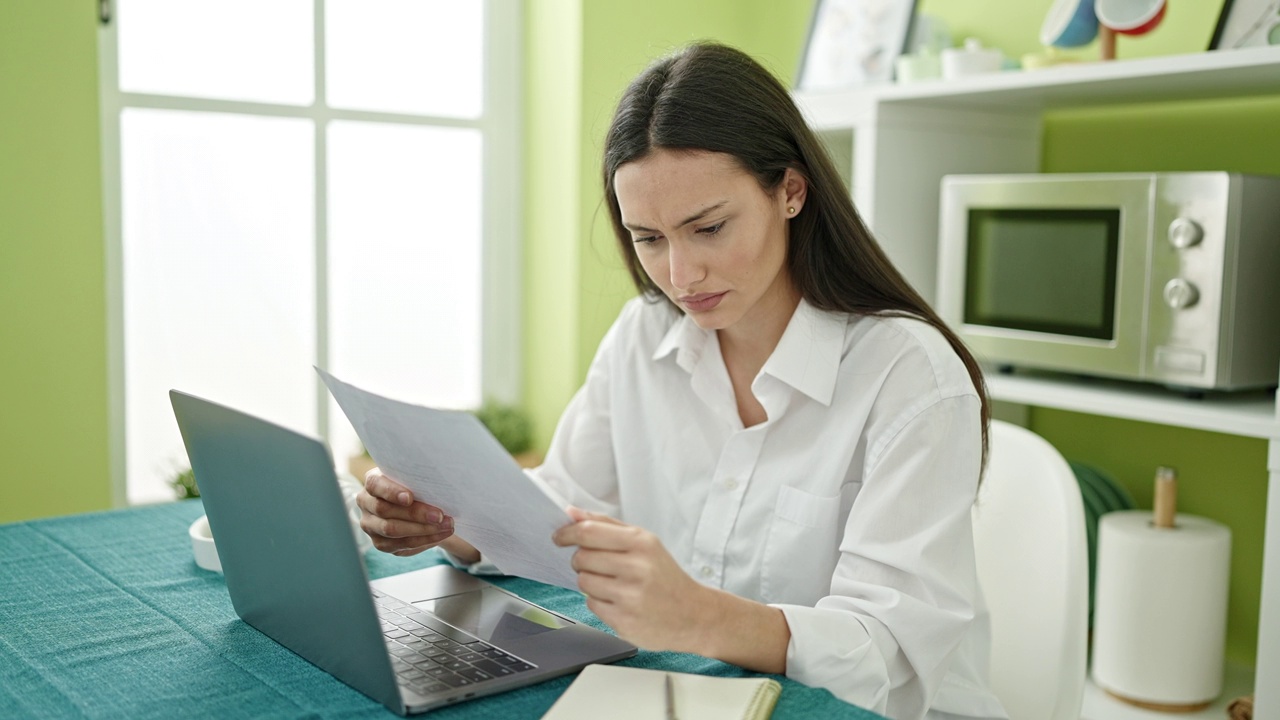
x=1184, y=233
x=1179, y=294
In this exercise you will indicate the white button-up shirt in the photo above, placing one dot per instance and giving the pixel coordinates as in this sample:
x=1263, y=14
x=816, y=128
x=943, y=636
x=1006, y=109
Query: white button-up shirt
x=848, y=508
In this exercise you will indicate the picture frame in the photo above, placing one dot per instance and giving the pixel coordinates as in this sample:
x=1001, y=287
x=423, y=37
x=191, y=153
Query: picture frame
x=1247, y=23
x=854, y=42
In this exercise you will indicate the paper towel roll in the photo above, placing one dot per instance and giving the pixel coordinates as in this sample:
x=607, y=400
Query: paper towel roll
x=1160, y=612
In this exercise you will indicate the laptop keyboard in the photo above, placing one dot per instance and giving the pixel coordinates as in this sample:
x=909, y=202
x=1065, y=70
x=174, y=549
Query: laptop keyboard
x=431, y=657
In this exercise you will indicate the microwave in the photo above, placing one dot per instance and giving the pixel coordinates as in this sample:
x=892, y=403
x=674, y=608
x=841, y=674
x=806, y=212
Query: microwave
x=1170, y=278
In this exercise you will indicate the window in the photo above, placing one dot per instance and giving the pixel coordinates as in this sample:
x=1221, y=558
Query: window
x=298, y=183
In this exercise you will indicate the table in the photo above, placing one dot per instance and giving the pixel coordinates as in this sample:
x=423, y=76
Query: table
x=107, y=615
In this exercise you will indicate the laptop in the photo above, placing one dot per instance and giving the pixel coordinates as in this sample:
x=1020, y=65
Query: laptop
x=413, y=642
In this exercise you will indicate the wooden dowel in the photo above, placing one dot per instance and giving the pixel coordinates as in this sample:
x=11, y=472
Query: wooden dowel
x=1166, y=497
x=1106, y=42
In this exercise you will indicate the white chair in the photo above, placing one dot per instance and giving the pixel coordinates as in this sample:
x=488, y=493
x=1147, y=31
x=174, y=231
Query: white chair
x=1032, y=556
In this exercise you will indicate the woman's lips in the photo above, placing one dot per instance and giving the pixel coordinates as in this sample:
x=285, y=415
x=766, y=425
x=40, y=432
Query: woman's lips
x=701, y=302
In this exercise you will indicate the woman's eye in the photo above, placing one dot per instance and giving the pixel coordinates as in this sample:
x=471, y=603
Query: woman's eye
x=712, y=230
x=645, y=240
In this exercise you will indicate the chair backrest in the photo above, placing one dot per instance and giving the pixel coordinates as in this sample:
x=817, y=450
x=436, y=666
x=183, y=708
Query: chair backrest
x=1032, y=557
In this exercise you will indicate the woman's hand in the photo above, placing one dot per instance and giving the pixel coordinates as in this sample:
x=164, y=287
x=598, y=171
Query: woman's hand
x=397, y=523
x=633, y=584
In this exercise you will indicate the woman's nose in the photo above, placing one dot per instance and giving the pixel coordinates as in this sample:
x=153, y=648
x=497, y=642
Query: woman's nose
x=687, y=269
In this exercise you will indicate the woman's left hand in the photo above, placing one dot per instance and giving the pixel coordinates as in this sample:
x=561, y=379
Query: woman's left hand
x=632, y=582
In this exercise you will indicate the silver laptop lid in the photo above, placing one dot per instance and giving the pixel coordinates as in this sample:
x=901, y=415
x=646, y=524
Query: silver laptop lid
x=292, y=566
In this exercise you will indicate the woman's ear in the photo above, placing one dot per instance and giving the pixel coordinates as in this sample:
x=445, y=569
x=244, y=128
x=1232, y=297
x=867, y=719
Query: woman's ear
x=794, y=189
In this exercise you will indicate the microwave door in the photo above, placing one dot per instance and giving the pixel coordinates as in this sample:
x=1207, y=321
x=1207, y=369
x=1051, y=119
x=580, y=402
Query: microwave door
x=1045, y=270
x=1049, y=274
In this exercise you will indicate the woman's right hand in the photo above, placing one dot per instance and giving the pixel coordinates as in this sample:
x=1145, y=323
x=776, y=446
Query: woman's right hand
x=399, y=524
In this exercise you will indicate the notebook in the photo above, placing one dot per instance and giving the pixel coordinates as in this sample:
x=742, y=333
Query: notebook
x=640, y=694
x=413, y=641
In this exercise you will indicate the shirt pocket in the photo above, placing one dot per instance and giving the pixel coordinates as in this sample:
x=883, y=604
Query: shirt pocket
x=801, y=548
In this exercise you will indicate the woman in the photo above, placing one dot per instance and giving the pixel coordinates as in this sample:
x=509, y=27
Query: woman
x=774, y=455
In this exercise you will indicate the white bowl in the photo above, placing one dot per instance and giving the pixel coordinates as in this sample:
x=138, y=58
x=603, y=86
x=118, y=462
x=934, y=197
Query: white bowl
x=202, y=545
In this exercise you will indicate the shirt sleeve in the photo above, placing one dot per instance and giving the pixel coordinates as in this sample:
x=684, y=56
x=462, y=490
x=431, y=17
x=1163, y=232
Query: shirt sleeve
x=904, y=591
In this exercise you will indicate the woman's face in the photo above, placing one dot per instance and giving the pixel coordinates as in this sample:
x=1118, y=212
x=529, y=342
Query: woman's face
x=711, y=237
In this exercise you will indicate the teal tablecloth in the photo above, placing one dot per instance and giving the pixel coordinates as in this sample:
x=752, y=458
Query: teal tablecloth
x=107, y=615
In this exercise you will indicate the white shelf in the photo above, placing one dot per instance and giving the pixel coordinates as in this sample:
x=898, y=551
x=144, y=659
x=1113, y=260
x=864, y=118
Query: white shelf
x=1249, y=414
x=1219, y=74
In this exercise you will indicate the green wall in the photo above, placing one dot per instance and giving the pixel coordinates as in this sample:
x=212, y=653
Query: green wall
x=53, y=378
x=552, y=137
x=580, y=56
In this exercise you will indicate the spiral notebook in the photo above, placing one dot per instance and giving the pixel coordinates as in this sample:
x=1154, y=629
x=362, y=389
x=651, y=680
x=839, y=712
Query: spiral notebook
x=627, y=692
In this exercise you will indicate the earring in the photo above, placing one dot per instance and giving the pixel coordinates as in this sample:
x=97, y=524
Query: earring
x=791, y=211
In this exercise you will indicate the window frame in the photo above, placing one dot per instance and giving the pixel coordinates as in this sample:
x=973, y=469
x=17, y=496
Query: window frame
x=500, y=127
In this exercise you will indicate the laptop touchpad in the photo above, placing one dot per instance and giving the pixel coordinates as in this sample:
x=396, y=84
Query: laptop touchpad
x=492, y=615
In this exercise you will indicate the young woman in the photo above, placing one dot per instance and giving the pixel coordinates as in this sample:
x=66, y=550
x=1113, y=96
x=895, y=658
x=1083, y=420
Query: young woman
x=774, y=455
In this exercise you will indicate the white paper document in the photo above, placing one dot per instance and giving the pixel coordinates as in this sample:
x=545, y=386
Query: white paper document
x=450, y=460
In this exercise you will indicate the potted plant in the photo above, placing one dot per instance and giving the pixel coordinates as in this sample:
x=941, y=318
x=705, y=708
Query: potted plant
x=512, y=427
x=184, y=485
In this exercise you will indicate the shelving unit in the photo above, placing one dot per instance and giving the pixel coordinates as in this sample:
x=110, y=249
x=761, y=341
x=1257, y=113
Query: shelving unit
x=1244, y=414
x=895, y=143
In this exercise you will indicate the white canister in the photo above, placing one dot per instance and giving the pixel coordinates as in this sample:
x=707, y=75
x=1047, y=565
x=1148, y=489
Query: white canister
x=972, y=59
x=1160, y=609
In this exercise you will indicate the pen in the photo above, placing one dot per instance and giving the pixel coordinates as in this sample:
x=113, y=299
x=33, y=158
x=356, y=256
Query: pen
x=671, y=698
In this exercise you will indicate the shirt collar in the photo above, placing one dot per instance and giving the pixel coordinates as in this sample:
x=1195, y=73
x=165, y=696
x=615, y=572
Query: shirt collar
x=686, y=339
x=807, y=357
x=808, y=354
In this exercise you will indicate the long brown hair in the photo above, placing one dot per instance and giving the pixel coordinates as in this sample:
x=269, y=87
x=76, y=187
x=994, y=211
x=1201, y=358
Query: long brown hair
x=711, y=97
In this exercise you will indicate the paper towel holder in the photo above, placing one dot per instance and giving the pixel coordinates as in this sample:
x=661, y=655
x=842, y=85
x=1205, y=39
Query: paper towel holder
x=1164, y=518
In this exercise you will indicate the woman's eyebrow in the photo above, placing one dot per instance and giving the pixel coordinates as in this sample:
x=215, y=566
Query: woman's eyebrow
x=692, y=218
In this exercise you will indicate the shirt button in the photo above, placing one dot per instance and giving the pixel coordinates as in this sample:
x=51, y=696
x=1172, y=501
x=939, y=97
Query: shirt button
x=706, y=571
x=731, y=484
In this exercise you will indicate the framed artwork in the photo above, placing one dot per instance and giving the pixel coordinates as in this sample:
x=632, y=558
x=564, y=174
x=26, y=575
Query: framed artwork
x=854, y=42
x=1247, y=23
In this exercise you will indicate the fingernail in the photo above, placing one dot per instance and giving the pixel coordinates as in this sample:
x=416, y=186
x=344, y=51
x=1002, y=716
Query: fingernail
x=434, y=516
x=405, y=498
x=447, y=523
